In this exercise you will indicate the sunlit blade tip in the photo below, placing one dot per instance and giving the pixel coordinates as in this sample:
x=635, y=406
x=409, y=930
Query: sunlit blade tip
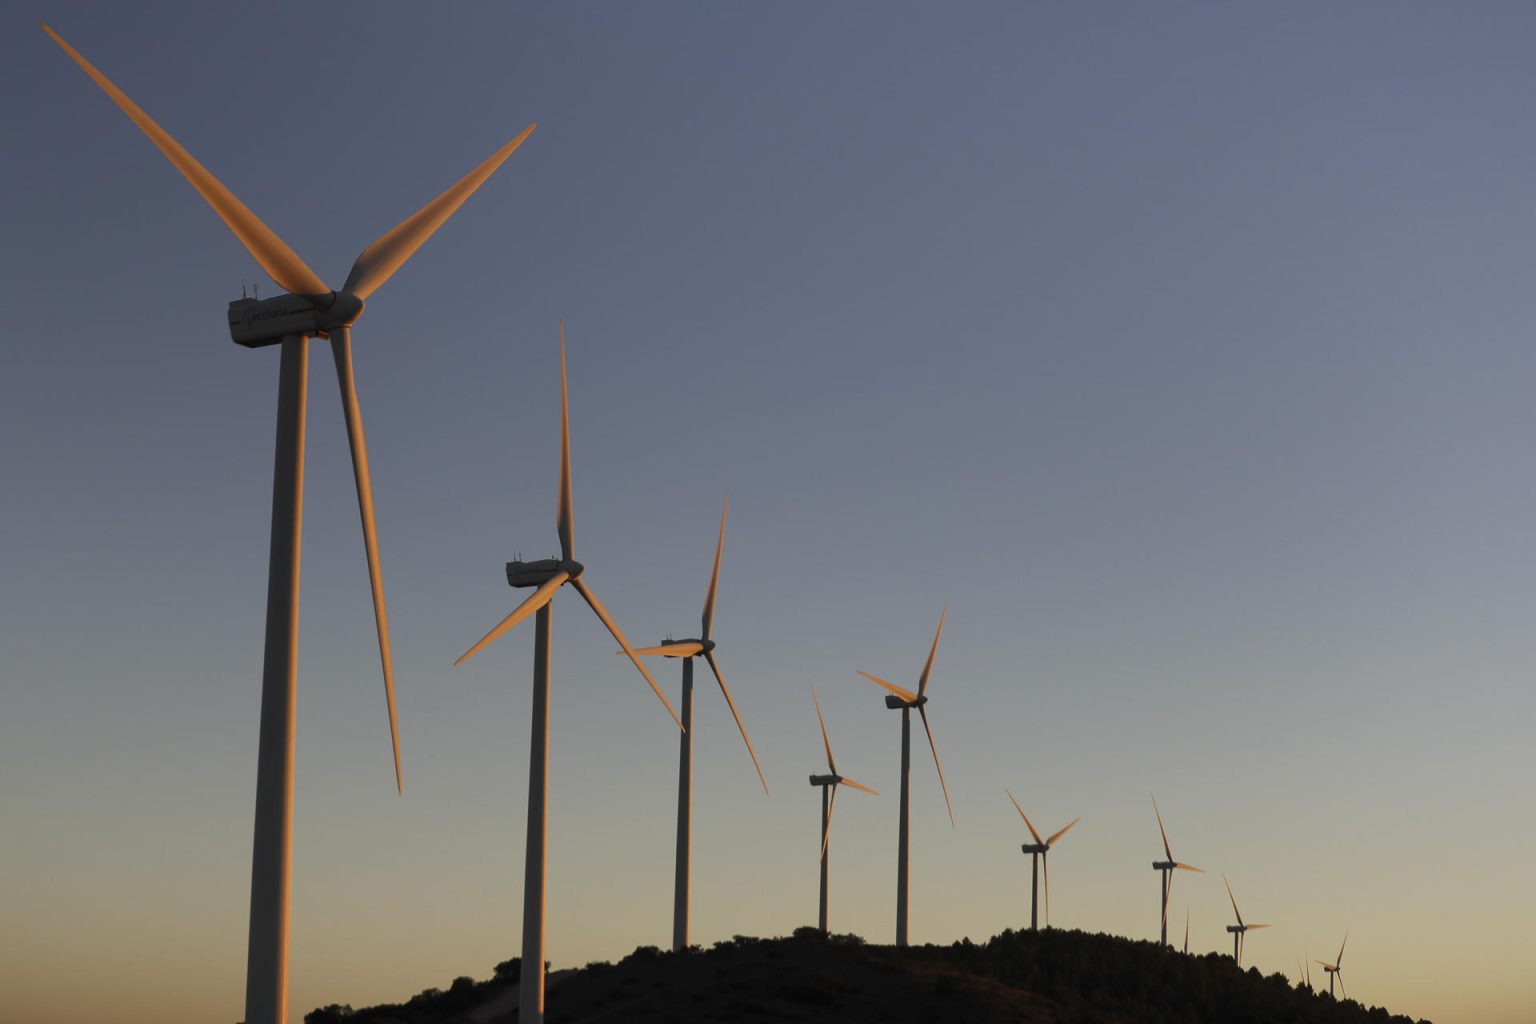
x=1228, y=884
x=271, y=252
x=1160, y=828
x=1189, y=867
x=922, y=683
x=1052, y=840
x=536, y=600
x=825, y=742
x=378, y=263
x=714, y=576
x=613, y=627
x=1027, y=823
x=714, y=667
x=341, y=349
x=564, y=514
x=826, y=832
x=904, y=694
x=846, y=781
x=923, y=712
x=676, y=650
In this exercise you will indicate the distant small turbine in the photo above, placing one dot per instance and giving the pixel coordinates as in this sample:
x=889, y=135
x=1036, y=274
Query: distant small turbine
x=1186, y=931
x=906, y=700
x=1037, y=851
x=687, y=650
x=547, y=576
x=1240, y=930
x=1336, y=969
x=828, y=782
x=1167, y=868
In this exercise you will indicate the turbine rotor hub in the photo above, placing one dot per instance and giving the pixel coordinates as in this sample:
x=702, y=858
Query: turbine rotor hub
x=339, y=309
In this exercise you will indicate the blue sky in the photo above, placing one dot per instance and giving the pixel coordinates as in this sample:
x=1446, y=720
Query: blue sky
x=1183, y=350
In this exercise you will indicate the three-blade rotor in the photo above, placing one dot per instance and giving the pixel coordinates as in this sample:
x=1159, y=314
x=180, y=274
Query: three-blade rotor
x=705, y=646
x=919, y=701
x=1045, y=845
x=839, y=780
x=568, y=570
x=336, y=313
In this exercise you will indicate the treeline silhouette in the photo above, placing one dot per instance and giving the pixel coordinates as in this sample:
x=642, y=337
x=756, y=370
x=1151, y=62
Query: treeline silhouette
x=1050, y=976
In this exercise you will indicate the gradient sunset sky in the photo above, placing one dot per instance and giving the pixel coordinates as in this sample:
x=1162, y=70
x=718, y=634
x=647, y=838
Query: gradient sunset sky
x=1185, y=350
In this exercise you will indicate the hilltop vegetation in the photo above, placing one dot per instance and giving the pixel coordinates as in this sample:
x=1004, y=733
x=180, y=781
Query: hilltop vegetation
x=1053, y=976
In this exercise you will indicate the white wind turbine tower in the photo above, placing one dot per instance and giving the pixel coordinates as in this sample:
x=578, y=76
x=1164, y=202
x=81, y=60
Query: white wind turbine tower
x=828, y=782
x=687, y=650
x=1167, y=867
x=1336, y=969
x=548, y=575
x=1037, y=853
x=1240, y=930
x=291, y=320
x=906, y=700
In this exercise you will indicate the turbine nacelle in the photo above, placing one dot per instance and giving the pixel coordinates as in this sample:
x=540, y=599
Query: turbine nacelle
x=536, y=574
x=257, y=323
x=826, y=780
x=1164, y=865
x=1035, y=848
x=705, y=646
x=893, y=702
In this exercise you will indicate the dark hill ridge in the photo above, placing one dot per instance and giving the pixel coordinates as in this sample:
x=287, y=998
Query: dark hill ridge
x=1051, y=977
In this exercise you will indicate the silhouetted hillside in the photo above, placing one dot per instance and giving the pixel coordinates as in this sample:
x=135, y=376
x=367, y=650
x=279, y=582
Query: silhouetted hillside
x=1052, y=976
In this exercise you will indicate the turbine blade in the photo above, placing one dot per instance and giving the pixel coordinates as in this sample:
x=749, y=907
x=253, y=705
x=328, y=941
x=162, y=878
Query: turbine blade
x=377, y=263
x=1160, y=828
x=563, y=516
x=922, y=683
x=271, y=252
x=341, y=349
x=613, y=627
x=714, y=577
x=687, y=649
x=923, y=711
x=1325, y=966
x=1027, y=823
x=846, y=781
x=1052, y=840
x=1189, y=867
x=1251, y=927
x=1341, y=949
x=826, y=833
x=906, y=695
x=714, y=667
x=831, y=764
x=1228, y=884
x=1186, y=930
x=532, y=603
x=1342, y=990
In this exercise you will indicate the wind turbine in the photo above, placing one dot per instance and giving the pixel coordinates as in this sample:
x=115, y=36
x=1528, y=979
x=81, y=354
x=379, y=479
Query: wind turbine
x=1167, y=868
x=1240, y=930
x=1037, y=851
x=1186, y=931
x=687, y=650
x=547, y=575
x=1336, y=969
x=906, y=700
x=291, y=320
x=828, y=782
